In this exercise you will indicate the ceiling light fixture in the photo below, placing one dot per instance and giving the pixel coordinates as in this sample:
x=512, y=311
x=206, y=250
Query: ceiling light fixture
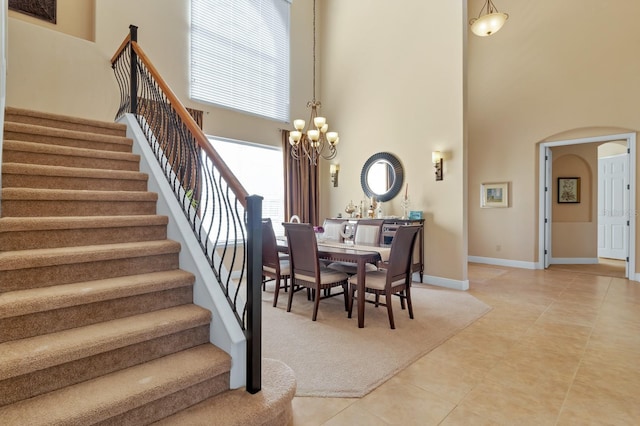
x=315, y=141
x=490, y=22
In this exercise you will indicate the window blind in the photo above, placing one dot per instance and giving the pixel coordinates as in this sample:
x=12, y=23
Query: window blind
x=240, y=55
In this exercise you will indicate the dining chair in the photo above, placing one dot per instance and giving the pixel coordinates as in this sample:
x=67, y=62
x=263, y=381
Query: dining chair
x=367, y=233
x=274, y=267
x=395, y=279
x=333, y=230
x=306, y=270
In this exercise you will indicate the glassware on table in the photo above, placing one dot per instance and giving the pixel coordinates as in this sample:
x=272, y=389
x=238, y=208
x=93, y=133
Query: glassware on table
x=350, y=209
x=405, y=203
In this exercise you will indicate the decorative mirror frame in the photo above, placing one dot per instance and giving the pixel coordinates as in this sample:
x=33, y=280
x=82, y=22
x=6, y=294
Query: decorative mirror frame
x=394, y=162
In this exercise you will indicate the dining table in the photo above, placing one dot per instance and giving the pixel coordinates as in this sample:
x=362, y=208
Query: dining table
x=360, y=255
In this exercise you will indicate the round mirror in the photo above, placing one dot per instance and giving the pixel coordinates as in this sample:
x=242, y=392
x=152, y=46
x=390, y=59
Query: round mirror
x=382, y=176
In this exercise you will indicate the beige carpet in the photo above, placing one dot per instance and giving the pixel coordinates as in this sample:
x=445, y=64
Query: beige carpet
x=332, y=357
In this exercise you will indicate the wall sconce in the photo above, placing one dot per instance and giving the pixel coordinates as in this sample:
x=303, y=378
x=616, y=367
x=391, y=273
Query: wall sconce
x=334, y=169
x=436, y=157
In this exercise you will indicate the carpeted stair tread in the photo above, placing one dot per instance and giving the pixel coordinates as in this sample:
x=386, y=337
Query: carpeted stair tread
x=18, y=357
x=36, y=258
x=63, y=137
x=55, y=155
x=78, y=195
x=108, y=396
x=24, y=233
x=269, y=407
x=23, y=302
x=19, y=115
x=78, y=172
x=15, y=224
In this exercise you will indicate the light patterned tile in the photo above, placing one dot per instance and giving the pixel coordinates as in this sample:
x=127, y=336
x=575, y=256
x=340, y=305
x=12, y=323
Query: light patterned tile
x=504, y=404
x=463, y=417
x=355, y=415
x=590, y=405
x=556, y=348
x=316, y=411
x=398, y=402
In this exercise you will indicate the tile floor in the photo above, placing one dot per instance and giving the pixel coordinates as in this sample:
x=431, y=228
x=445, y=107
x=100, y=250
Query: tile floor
x=558, y=348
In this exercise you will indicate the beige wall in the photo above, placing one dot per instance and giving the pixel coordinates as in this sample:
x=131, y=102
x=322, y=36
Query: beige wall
x=48, y=69
x=575, y=232
x=546, y=72
x=392, y=80
x=73, y=17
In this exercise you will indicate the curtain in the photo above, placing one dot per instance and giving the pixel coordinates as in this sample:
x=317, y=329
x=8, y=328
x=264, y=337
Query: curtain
x=301, y=189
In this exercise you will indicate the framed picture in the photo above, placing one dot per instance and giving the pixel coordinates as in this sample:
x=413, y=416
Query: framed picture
x=568, y=190
x=41, y=9
x=494, y=195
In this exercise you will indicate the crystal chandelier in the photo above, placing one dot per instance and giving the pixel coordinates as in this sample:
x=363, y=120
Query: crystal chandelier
x=490, y=22
x=315, y=141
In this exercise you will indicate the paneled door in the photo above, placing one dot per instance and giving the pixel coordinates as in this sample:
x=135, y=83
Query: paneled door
x=613, y=207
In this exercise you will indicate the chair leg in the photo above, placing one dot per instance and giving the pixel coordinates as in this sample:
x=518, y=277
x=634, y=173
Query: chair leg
x=345, y=290
x=402, y=297
x=316, y=304
x=352, y=294
x=409, y=305
x=390, y=311
x=290, y=298
x=276, y=291
x=377, y=300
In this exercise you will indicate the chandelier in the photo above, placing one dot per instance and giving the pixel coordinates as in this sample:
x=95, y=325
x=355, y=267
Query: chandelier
x=315, y=141
x=490, y=22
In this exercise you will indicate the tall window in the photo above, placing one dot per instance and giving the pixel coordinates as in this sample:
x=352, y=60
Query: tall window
x=240, y=55
x=259, y=170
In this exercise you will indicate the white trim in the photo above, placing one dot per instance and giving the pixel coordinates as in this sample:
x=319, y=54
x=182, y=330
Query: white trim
x=631, y=238
x=504, y=262
x=443, y=282
x=574, y=261
x=224, y=331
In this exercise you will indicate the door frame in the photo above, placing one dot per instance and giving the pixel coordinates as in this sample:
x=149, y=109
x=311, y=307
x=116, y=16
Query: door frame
x=544, y=201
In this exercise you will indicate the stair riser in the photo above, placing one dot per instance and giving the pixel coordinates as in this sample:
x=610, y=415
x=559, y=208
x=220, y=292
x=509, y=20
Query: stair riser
x=24, y=326
x=171, y=403
x=20, y=279
x=28, y=157
x=15, y=117
x=77, y=183
x=49, y=379
x=41, y=208
x=121, y=146
x=24, y=240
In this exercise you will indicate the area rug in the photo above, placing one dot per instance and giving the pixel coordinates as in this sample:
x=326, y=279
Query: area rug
x=332, y=357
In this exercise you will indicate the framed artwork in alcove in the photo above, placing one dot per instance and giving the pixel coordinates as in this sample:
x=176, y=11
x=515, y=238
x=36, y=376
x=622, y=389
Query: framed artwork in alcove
x=568, y=190
x=41, y=9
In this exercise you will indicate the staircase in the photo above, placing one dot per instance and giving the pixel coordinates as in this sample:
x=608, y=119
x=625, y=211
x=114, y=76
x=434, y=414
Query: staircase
x=97, y=320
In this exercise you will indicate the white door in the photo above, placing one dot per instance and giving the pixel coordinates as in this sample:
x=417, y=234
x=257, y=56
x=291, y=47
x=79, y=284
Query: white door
x=547, y=206
x=612, y=207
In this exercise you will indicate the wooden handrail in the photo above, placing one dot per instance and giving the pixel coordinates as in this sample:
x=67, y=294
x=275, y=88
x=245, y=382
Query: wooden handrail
x=201, y=139
x=126, y=40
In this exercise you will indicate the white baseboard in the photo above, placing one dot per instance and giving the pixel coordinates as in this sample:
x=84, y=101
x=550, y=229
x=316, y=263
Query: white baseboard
x=443, y=282
x=503, y=262
x=573, y=261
